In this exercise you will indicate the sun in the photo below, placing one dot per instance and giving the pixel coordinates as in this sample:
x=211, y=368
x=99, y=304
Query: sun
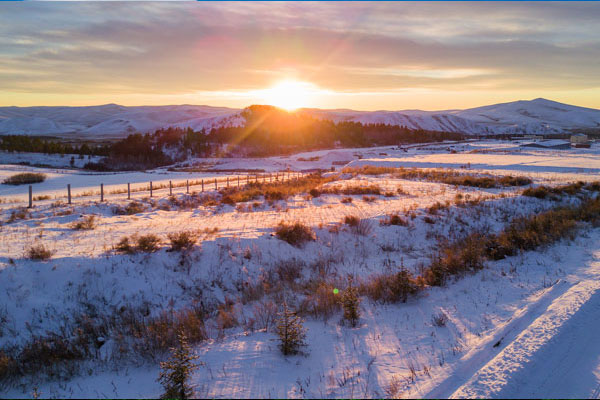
x=289, y=95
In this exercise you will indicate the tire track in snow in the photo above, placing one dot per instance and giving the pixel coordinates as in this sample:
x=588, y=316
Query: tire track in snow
x=563, y=328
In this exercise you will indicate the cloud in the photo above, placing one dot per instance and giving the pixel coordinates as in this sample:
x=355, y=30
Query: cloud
x=166, y=48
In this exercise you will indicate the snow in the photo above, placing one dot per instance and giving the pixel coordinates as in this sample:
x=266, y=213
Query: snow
x=540, y=308
x=539, y=116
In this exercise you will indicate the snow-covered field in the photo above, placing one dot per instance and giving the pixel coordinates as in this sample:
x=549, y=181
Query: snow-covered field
x=524, y=326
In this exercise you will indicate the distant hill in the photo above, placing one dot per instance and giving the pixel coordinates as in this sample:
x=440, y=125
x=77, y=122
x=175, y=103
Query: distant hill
x=112, y=120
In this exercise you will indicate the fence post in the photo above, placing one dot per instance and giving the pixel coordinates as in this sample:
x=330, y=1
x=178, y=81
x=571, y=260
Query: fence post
x=30, y=196
x=101, y=192
x=238, y=181
x=69, y=193
x=128, y=191
x=187, y=186
x=203, y=185
x=215, y=183
x=170, y=189
x=150, y=188
x=227, y=181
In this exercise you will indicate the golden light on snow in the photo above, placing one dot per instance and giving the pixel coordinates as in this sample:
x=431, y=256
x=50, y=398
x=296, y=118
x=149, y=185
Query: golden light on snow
x=290, y=94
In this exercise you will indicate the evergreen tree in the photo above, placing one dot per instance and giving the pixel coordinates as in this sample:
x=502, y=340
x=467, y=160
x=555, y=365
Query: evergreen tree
x=290, y=330
x=175, y=372
x=350, y=303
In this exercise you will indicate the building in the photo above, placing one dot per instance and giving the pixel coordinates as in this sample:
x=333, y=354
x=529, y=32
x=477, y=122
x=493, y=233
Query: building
x=580, y=140
x=553, y=144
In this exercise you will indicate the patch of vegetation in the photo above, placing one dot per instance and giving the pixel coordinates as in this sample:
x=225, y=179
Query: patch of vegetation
x=24, y=178
x=296, y=234
x=133, y=207
x=145, y=243
x=443, y=176
x=183, y=240
x=86, y=223
x=39, y=252
x=273, y=191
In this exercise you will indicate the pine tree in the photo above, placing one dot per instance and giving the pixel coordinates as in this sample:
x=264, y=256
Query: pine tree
x=350, y=302
x=290, y=330
x=175, y=372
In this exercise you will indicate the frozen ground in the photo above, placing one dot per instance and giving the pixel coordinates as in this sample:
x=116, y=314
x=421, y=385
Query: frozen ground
x=522, y=327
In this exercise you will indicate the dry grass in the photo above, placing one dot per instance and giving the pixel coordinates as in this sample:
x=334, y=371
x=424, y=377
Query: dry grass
x=296, y=234
x=86, y=223
x=183, y=240
x=24, y=178
x=443, y=176
x=39, y=252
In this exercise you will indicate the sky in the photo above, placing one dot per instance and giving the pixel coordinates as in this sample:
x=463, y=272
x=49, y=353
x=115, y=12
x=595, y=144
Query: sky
x=363, y=56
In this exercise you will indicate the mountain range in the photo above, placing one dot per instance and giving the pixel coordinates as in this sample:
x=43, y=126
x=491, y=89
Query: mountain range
x=539, y=116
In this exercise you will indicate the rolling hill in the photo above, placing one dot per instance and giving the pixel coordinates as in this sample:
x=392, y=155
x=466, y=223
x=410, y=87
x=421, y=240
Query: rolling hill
x=113, y=120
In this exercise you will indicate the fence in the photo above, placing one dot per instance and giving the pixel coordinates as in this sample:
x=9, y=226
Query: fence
x=203, y=184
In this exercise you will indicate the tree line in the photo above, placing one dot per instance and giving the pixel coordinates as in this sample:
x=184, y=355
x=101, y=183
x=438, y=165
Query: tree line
x=266, y=131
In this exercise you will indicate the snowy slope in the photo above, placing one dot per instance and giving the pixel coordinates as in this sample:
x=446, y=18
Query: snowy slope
x=111, y=119
x=535, y=116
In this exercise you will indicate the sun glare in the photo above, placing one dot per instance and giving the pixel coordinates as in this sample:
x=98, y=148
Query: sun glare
x=289, y=95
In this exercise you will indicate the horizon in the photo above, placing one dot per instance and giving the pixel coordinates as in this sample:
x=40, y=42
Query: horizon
x=296, y=109
x=367, y=57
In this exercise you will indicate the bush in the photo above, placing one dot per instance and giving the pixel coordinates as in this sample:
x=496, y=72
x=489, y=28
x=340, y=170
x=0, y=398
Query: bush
x=39, y=252
x=392, y=288
x=291, y=331
x=87, y=223
x=184, y=240
x=322, y=302
x=148, y=243
x=124, y=246
x=314, y=192
x=295, y=234
x=394, y=219
x=176, y=372
x=24, y=178
x=351, y=220
x=346, y=200
x=133, y=207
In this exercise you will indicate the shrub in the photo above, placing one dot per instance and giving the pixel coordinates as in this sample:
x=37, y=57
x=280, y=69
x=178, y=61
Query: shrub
x=369, y=199
x=265, y=314
x=351, y=220
x=24, y=178
x=322, y=302
x=87, y=223
x=350, y=303
x=148, y=243
x=124, y=246
x=540, y=192
x=290, y=330
x=346, y=200
x=394, y=219
x=439, y=319
x=295, y=234
x=314, y=192
x=176, y=372
x=392, y=288
x=183, y=240
x=133, y=207
x=428, y=220
x=39, y=252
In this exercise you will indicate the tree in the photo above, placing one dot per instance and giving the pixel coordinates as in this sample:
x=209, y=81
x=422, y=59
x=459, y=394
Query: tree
x=175, y=372
x=290, y=330
x=350, y=303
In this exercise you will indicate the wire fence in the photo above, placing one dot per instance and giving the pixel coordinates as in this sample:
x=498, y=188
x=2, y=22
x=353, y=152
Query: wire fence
x=163, y=189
